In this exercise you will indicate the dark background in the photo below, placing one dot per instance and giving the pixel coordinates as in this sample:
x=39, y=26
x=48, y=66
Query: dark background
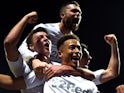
x=100, y=17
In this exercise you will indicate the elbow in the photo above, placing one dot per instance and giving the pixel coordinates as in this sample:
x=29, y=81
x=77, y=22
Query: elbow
x=114, y=75
x=117, y=73
x=6, y=42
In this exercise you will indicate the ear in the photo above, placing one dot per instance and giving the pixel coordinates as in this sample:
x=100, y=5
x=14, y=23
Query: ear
x=31, y=47
x=62, y=14
x=59, y=54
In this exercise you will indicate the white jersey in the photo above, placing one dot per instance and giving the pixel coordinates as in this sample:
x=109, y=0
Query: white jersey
x=54, y=33
x=20, y=68
x=70, y=84
x=98, y=74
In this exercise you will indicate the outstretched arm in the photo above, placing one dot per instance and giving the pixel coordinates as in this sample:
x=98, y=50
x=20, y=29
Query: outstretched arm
x=113, y=69
x=59, y=70
x=51, y=70
x=9, y=83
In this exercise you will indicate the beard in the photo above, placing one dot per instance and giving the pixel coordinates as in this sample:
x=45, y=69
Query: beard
x=70, y=24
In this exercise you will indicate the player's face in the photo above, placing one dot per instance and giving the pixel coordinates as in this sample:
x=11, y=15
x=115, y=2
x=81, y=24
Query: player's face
x=41, y=43
x=72, y=17
x=86, y=57
x=70, y=52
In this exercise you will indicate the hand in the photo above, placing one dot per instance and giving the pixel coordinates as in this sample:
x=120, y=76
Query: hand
x=53, y=70
x=39, y=68
x=32, y=17
x=120, y=89
x=110, y=39
x=58, y=70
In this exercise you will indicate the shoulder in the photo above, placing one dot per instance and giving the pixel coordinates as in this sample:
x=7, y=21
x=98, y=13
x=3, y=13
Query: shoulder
x=46, y=25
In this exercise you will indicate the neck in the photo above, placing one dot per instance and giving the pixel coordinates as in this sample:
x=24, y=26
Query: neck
x=42, y=57
x=63, y=29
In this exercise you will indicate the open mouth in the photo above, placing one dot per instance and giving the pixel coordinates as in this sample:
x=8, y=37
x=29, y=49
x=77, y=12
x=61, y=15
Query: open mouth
x=76, y=58
x=75, y=20
x=47, y=44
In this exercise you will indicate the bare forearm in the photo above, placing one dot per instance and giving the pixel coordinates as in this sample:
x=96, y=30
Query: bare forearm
x=114, y=64
x=68, y=70
x=113, y=69
x=15, y=33
x=86, y=73
x=10, y=83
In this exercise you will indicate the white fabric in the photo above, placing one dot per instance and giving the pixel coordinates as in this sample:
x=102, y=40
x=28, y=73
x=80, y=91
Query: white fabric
x=33, y=84
x=16, y=67
x=37, y=89
x=70, y=84
x=97, y=74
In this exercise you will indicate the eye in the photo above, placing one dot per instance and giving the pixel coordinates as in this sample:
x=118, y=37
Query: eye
x=79, y=47
x=76, y=10
x=39, y=38
x=48, y=37
x=84, y=53
x=72, y=47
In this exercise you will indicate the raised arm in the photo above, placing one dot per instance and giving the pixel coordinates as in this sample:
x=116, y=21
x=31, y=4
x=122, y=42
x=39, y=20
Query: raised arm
x=12, y=39
x=13, y=56
x=113, y=69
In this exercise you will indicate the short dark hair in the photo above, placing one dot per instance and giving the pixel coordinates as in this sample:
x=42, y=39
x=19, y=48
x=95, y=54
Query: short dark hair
x=84, y=46
x=63, y=7
x=66, y=37
x=29, y=37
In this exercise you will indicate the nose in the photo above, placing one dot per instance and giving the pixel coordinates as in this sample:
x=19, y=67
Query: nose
x=89, y=57
x=77, y=52
x=46, y=38
x=77, y=14
x=76, y=49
